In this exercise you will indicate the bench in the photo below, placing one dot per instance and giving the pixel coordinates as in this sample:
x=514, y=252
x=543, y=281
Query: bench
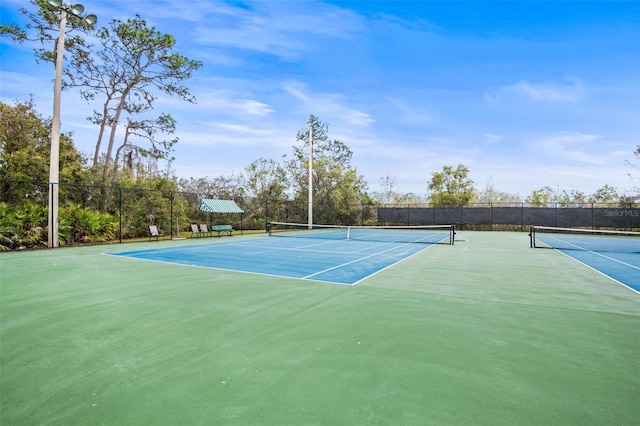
x=222, y=229
x=195, y=231
x=204, y=231
x=154, y=233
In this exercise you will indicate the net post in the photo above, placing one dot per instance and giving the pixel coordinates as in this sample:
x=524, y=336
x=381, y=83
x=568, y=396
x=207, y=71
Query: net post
x=532, y=236
x=452, y=234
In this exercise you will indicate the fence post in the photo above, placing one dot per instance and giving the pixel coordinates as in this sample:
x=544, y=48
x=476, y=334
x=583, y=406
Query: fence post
x=490, y=216
x=286, y=210
x=120, y=210
x=171, y=214
x=242, y=204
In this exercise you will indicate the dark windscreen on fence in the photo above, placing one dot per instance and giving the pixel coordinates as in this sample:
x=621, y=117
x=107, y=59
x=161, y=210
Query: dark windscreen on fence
x=506, y=216
x=477, y=216
x=521, y=216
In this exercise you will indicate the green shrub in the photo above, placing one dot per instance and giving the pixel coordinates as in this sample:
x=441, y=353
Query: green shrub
x=22, y=226
x=25, y=226
x=78, y=225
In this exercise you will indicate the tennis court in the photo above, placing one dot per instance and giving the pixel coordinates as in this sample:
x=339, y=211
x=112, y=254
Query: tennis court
x=338, y=255
x=615, y=254
x=482, y=332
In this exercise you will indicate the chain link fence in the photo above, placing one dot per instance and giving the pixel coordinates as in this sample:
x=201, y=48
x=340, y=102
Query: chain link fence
x=92, y=214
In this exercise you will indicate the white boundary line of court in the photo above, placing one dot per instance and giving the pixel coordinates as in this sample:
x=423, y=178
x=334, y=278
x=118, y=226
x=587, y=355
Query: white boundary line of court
x=354, y=261
x=264, y=274
x=393, y=264
x=600, y=272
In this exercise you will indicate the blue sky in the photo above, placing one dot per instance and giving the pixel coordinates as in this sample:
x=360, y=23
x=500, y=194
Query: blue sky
x=525, y=94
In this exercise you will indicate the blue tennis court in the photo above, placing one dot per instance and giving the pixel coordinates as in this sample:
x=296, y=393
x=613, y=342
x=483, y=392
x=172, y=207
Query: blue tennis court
x=614, y=254
x=339, y=261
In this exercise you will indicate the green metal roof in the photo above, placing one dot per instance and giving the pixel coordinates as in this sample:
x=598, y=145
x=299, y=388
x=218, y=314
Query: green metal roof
x=220, y=206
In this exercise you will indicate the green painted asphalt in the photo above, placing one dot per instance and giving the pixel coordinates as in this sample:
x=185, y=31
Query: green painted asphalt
x=485, y=332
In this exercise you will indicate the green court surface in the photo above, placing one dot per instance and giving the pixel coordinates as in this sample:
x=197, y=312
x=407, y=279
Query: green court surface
x=485, y=332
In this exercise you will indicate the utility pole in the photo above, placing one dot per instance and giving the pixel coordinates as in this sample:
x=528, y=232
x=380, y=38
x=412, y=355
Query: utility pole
x=310, y=218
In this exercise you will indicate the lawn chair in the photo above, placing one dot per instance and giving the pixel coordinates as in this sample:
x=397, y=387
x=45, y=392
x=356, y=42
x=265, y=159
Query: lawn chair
x=154, y=233
x=204, y=230
x=194, y=230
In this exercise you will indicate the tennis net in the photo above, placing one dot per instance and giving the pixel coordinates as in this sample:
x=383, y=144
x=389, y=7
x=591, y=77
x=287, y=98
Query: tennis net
x=584, y=239
x=432, y=234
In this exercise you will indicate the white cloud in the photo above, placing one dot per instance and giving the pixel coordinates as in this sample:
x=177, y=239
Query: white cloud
x=250, y=38
x=491, y=138
x=411, y=113
x=296, y=92
x=228, y=101
x=217, y=133
x=280, y=29
x=572, y=92
x=578, y=147
x=330, y=107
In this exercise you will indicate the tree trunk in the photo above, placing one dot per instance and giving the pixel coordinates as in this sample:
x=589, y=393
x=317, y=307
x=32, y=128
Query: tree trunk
x=103, y=124
x=114, y=128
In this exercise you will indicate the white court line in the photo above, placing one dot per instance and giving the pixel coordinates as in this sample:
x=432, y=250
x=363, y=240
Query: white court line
x=393, y=264
x=216, y=268
x=599, y=271
x=355, y=260
x=595, y=252
x=308, y=247
x=595, y=269
x=251, y=245
x=615, y=260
